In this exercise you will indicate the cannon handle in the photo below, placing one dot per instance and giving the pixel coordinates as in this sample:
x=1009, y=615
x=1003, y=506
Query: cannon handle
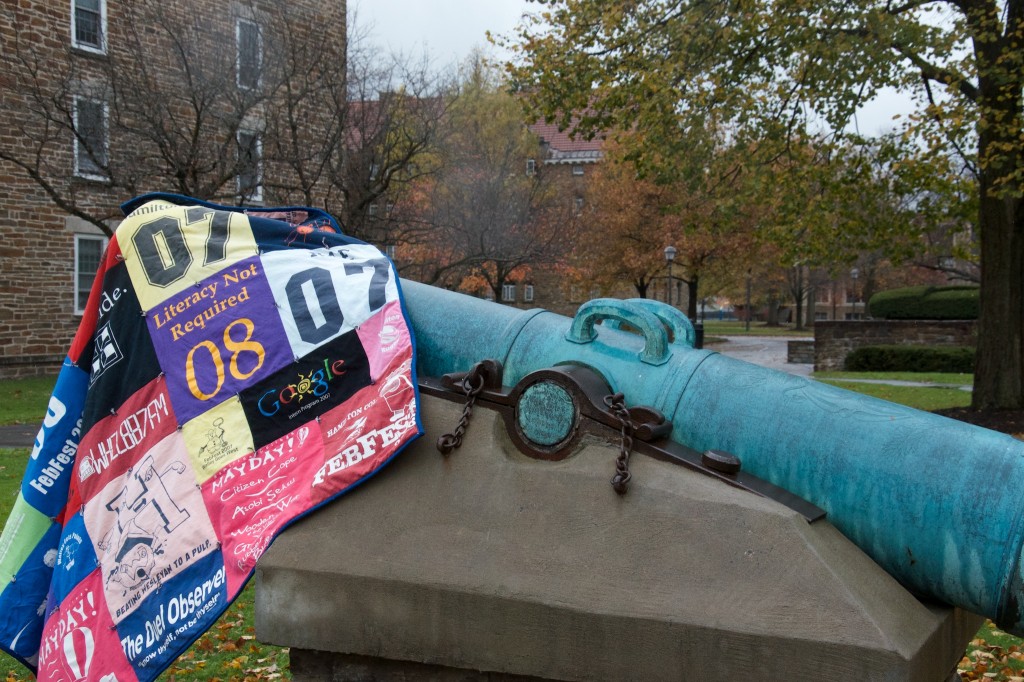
x=650, y=325
x=677, y=322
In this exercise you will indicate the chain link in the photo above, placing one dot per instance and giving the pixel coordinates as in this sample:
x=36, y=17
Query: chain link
x=450, y=441
x=617, y=404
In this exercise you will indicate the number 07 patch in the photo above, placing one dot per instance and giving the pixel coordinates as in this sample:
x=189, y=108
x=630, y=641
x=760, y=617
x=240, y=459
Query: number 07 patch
x=324, y=293
x=168, y=249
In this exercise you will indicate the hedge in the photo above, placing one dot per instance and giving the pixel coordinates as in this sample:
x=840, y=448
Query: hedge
x=911, y=359
x=926, y=303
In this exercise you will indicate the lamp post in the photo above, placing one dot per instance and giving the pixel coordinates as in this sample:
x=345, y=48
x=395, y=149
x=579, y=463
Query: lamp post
x=854, y=273
x=670, y=255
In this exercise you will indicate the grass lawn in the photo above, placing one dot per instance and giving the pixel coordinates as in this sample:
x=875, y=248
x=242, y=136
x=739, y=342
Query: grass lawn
x=929, y=398
x=23, y=401
x=937, y=397
x=920, y=377
x=732, y=328
x=229, y=651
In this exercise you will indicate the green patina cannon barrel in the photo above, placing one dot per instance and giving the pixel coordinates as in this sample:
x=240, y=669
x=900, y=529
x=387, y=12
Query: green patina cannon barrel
x=935, y=502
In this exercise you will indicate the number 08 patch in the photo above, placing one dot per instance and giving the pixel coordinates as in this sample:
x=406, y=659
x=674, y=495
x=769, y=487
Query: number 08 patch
x=217, y=337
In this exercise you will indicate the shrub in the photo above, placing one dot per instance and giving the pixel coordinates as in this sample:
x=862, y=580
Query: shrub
x=926, y=303
x=911, y=359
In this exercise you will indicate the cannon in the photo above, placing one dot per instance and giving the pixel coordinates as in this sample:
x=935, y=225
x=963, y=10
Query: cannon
x=930, y=500
x=934, y=501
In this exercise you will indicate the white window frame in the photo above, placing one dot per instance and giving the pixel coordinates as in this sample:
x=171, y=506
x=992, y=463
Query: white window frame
x=528, y=293
x=257, y=193
x=102, y=47
x=79, y=171
x=389, y=251
x=531, y=166
x=77, y=290
x=508, y=293
x=577, y=169
x=238, y=54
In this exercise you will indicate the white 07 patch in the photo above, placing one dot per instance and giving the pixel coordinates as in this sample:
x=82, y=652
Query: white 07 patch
x=329, y=292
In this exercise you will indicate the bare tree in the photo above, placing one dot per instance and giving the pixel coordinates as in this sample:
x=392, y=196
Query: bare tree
x=493, y=217
x=377, y=117
x=262, y=104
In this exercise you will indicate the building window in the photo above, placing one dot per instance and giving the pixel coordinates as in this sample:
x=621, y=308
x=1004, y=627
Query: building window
x=90, y=138
x=88, y=253
x=578, y=206
x=250, y=54
x=508, y=293
x=528, y=293
x=89, y=25
x=372, y=211
x=531, y=166
x=577, y=169
x=389, y=251
x=250, y=166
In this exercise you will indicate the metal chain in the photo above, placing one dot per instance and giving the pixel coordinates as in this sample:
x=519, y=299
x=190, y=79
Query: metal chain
x=617, y=404
x=450, y=441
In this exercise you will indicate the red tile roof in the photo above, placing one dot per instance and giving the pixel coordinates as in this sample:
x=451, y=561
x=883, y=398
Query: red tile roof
x=561, y=141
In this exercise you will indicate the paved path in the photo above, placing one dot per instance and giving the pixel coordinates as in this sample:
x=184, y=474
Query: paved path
x=772, y=351
x=19, y=435
x=766, y=351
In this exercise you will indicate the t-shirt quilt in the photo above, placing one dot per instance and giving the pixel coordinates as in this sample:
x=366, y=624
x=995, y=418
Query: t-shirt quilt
x=234, y=369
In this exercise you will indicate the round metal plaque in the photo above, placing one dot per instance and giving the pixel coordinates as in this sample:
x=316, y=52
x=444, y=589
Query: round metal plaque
x=546, y=414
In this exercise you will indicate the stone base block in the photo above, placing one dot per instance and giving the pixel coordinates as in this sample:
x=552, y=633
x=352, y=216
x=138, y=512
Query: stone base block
x=490, y=561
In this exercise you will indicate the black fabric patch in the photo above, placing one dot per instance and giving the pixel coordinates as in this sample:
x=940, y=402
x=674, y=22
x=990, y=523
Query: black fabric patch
x=120, y=359
x=311, y=386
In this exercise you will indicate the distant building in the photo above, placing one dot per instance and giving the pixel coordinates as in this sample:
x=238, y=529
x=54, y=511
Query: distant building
x=570, y=157
x=573, y=160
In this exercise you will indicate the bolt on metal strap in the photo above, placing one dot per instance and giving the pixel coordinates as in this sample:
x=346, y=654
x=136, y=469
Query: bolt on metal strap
x=471, y=384
x=617, y=404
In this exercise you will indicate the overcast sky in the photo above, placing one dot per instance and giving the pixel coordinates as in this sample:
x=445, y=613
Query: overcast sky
x=448, y=30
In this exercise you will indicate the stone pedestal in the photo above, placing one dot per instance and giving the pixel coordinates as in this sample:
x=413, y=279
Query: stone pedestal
x=490, y=565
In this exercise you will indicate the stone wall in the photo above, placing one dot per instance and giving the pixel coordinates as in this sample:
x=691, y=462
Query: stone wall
x=833, y=341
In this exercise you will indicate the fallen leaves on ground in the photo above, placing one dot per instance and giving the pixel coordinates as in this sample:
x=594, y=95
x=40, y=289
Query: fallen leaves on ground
x=993, y=655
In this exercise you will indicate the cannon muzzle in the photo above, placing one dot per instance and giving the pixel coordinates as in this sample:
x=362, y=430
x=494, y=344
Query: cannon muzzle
x=933, y=501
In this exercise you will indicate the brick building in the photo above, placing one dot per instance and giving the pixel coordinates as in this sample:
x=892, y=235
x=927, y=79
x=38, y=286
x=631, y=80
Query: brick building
x=571, y=161
x=101, y=100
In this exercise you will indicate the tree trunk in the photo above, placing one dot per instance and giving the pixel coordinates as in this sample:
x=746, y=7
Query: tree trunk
x=798, y=297
x=773, y=309
x=999, y=365
x=812, y=294
x=691, y=291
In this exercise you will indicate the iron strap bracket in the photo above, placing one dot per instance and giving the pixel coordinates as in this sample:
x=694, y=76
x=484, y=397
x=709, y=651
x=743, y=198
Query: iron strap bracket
x=550, y=410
